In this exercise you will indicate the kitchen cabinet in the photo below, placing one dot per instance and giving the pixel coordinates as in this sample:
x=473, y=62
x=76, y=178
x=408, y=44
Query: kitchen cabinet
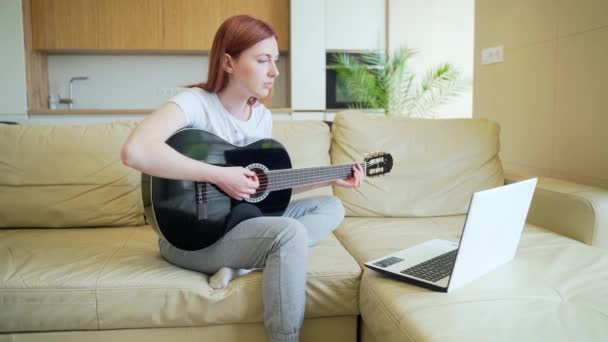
x=358, y=25
x=64, y=24
x=308, y=115
x=307, y=54
x=318, y=26
x=130, y=24
x=191, y=24
x=274, y=12
x=81, y=25
x=145, y=25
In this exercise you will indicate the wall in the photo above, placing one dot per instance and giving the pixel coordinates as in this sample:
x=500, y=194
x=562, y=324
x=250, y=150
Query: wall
x=13, y=90
x=134, y=81
x=548, y=95
x=441, y=31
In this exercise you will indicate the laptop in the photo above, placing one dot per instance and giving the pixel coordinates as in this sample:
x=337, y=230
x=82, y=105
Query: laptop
x=489, y=239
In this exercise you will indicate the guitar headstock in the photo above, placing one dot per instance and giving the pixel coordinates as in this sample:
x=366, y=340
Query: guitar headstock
x=378, y=163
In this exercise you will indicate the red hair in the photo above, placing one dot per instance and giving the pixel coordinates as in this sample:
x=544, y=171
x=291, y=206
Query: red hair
x=236, y=34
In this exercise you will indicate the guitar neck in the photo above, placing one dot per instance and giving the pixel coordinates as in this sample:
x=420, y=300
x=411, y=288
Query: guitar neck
x=292, y=178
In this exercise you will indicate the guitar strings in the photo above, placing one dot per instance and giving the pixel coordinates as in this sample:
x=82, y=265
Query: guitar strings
x=305, y=173
x=276, y=186
x=213, y=193
x=280, y=178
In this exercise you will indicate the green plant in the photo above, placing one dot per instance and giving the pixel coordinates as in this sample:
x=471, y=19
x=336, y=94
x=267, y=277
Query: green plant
x=392, y=87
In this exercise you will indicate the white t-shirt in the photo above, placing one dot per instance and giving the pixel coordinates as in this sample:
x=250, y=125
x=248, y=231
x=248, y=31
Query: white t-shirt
x=204, y=111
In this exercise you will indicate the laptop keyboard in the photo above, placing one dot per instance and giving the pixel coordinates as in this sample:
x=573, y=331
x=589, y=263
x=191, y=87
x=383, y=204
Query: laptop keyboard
x=434, y=269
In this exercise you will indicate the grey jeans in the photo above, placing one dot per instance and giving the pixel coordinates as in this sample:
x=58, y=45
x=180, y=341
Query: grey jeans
x=279, y=245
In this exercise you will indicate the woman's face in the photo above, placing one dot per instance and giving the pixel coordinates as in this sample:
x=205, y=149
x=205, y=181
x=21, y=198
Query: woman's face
x=255, y=70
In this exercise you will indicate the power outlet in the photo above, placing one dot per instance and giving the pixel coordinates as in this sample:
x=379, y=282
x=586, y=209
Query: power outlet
x=167, y=92
x=492, y=55
x=174, y=91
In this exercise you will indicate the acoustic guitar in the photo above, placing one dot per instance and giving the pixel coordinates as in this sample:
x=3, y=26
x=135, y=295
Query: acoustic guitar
x=192, y=215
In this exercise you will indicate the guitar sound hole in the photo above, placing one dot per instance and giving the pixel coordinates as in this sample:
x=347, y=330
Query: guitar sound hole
x=263, y=180
x=261, y=172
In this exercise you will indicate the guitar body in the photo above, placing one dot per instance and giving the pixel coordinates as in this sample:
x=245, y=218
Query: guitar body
x=193, y=215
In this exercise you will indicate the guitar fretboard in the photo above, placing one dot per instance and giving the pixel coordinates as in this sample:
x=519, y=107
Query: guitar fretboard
x=291, y=178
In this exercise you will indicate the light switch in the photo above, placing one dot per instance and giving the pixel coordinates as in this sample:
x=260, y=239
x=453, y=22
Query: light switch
x=492, y=55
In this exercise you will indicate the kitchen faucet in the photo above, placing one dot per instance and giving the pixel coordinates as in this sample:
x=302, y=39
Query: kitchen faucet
x=69, y=100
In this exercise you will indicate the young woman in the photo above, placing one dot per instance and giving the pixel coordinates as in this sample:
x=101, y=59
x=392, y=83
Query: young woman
x=242, y=69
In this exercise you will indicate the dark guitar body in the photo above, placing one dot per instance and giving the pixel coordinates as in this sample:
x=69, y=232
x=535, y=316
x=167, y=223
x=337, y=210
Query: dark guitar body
x=191, y=219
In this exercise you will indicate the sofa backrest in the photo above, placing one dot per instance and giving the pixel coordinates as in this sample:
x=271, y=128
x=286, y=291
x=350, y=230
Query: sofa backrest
x=307, y=142
x=72, y=176
x=67, y=176
x=437, y=164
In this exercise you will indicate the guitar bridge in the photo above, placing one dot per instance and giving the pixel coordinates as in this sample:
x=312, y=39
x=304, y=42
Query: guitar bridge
x=200, y=190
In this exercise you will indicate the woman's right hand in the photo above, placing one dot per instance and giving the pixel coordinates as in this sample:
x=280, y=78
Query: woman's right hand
x=237, y=182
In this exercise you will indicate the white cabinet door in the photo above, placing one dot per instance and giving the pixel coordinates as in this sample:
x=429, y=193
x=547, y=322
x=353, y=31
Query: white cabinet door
x=307, y=54
x=12, y=59
x=355, y=24
x=308, y=115
x=278, y=116
x=321, y=25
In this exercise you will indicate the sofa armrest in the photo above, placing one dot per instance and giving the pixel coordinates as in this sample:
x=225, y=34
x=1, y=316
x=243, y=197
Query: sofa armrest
x=573, y=210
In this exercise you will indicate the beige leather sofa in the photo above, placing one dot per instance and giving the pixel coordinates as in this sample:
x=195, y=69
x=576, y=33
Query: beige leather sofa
x=77, y=260
x=556, y=288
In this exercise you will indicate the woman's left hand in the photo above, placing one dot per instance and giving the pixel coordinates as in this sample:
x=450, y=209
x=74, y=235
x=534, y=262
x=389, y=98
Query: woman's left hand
x=355, y=180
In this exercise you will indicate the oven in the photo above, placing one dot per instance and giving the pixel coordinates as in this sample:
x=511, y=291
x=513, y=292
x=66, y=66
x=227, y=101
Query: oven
x=335, y=98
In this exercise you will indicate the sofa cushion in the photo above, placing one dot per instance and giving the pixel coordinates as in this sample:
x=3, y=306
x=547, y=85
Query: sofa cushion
x=67, y=176
x=437, y=164
x=114, y=278
x=307, y=142
x=556, y=289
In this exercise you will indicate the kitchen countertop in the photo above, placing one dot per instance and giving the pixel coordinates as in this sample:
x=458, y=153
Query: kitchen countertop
x=43, y=111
